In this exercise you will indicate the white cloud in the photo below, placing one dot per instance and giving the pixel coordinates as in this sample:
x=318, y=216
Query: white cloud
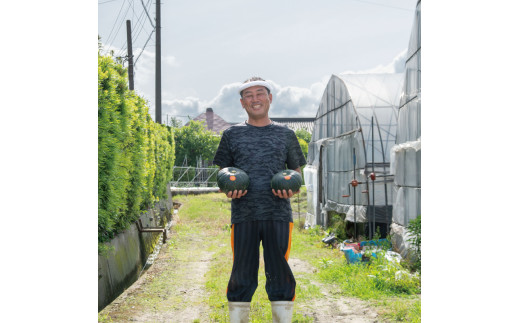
x=288, y=101
x=291, y=101
x=396, y=66
x=183, y=109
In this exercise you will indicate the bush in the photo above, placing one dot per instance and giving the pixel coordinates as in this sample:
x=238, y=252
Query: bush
x=135, y=155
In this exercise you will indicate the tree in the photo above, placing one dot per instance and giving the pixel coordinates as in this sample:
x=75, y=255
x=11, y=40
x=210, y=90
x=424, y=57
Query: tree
x=174, y=122
x=194, y=141
x=303, y=134
x=304, y=146
x=304, y=137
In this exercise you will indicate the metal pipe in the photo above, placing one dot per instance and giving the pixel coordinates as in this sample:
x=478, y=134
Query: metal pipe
x=151, y=229
x=373, y=229
x=384, y=171
x=355, y=219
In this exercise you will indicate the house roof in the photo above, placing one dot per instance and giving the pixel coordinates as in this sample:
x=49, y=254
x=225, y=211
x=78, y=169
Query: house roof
x=297, y=123
x=213, y=121
x=217, y=124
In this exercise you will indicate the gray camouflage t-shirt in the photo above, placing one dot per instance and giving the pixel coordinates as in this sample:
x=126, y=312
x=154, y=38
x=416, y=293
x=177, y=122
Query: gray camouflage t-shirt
x=261, y=152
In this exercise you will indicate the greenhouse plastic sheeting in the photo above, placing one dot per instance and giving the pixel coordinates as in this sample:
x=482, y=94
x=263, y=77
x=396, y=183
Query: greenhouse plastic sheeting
x=376, y=100
x=409, y=122
x=338, y=153
x=407, y=204
x=406, y=164
x=337, y=162
x=310, y=173
x=357, y=111
x=412, y=81
x=336, y=116
x=340, y=167
x=406, y=154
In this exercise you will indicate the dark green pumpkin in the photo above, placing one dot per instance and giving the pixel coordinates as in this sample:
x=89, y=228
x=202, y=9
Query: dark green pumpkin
x=232, y=178
x=287, y=180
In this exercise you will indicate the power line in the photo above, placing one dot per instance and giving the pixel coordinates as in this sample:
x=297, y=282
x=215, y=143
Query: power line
x=148, y=14
x=120, y=19
x=122, y=23
x=115, y=22
x=138, y=29
x=144, y=46
x=139, y=21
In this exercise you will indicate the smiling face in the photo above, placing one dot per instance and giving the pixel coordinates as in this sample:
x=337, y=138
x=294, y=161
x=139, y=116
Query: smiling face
x=256, y=101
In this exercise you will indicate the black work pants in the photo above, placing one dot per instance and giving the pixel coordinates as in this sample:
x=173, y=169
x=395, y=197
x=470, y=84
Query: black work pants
x=245, y=243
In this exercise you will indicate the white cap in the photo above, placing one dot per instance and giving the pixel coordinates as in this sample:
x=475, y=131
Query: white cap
x=254, y=83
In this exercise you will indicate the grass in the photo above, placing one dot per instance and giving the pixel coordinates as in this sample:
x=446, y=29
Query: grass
x=218, y=276
x=396, y=299
x=208, y=216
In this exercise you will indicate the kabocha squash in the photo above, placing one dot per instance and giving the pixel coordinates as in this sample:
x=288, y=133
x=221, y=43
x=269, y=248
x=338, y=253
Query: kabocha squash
x=232, y=178
x=287, y=180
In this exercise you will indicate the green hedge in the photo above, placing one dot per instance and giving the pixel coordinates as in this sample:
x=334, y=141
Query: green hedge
x=135, y=155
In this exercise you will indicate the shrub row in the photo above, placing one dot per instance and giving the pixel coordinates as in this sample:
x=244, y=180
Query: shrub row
x=135, y=154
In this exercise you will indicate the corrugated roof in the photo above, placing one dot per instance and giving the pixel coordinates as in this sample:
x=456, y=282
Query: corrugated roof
x=297, y=123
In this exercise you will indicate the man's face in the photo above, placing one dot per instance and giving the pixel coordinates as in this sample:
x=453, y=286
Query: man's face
x=256, y=101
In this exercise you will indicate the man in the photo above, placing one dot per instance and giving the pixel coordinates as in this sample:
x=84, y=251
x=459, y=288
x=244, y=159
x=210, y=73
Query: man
x=261, y=148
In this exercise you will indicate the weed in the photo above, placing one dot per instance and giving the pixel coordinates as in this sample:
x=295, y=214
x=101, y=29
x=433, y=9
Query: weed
x=315, y=231
x=104, y=249
x=104, y=318
x=325, y=262
x=414, y=227
x=227, y=227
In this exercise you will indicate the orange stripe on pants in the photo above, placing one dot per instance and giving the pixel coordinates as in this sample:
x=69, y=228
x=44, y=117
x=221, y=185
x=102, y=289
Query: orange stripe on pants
x=290, y=240
x=233, y=240
x=232, y=246
x=291, y=224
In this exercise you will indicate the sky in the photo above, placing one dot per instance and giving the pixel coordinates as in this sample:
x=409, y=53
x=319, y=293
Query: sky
x=209, y=47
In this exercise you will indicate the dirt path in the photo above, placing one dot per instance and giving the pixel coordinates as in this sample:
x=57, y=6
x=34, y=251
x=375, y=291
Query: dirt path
x=180, y=296
x=331, y=307
x=173, y=290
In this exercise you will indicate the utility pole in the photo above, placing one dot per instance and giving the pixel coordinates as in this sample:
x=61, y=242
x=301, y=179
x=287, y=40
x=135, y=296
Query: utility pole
x=158, y=105
x=130, y=56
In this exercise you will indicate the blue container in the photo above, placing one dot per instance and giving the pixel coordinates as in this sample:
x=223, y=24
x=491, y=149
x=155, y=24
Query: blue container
x=353, y=257
x=375, y=243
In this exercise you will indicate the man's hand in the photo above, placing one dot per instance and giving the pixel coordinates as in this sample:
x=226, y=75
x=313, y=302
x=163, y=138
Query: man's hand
x=284, y=194
x=235, y=194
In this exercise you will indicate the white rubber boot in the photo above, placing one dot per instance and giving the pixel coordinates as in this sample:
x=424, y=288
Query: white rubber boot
x=282, y=311
x=239, y=312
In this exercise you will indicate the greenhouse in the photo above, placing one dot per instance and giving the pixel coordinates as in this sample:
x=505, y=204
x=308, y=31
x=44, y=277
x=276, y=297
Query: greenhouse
x=353, y=134
x=406, y=154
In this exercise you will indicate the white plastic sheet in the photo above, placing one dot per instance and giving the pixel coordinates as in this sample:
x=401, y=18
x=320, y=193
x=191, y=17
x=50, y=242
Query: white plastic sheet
x=406, y=163
x=406, y=154
x=407, y=204
x=310, y=173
